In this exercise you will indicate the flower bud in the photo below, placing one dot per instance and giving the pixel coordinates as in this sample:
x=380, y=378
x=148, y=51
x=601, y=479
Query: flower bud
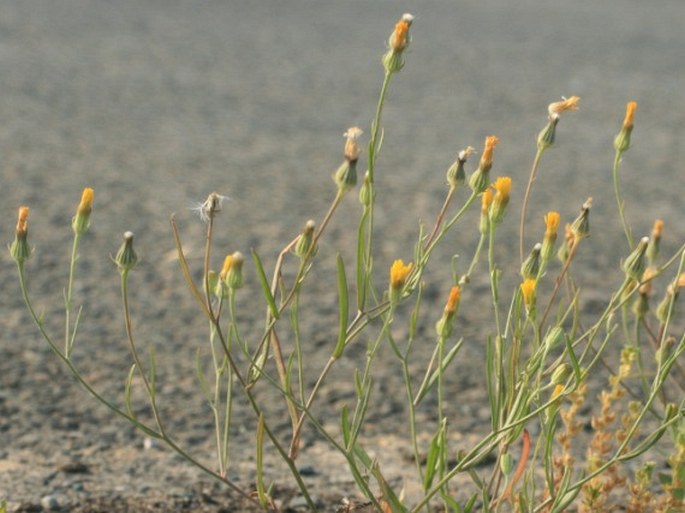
x=19, y=249
x=478, y=181
x=456, y=175
x=304, y=242
x=634, y=266
x=398, y=276
x=622, y=140
x=561, y=374
x=486, y=201
x=346, y=175
x=81, y=220
x=398, y=42
x=365, y=191
x=126, y=258
x=528, y=293
x=550, y=238
x=531, y=265
x=581, y=226
x=554, y=337
x=232, y=275
x=499, y=203
x=655, y=241
x=548, y=134
x=444, y=325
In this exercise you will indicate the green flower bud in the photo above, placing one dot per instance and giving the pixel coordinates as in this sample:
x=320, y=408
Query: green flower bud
x=126, y=258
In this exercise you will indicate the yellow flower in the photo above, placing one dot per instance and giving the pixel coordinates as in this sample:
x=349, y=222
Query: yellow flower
x=399, y=37
x=490, y=143
x=486, y=200
x=499, y=203
x=453, y=300
x=558, y=390
x=528, y=292
x=228, y=262
x=86, y=204
x=657, y=229
x=398, y=274
x=557, y=108
x=21, y=221
x=551, y=224
x=630, y=114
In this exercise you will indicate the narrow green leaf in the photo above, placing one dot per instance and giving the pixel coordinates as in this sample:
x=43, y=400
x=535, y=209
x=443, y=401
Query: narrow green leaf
x=343, y=308
x=433, y=379
x=345, y=424
x=431, y=461
x=127, y=391
x=266, y=290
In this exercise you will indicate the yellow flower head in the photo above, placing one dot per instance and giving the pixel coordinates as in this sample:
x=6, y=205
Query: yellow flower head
x=557, y=108
x=453, y=300
x=21, y=220
x=398, y=273
x=503, y=187
x=551, y=224
x=558, y=390
x=490, y=143
x=400, y=36
x=86, y=204
x=228, y=263
x=528, y=291
x=352, y=150
x=486, y=200
x=646, y=281
x=657, y=229
x=630, y=114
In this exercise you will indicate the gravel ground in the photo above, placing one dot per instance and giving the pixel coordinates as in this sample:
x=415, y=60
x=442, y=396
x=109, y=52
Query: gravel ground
x=156, y=103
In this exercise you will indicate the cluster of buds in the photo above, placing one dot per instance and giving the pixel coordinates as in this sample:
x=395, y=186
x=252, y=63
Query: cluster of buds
x=456, y=175
x=398, y=42
x=547, y=135
x=346, y=175
x=479, y=180
x=19, y=249
x=622, y=140
x=444, y=325
x=398, y=277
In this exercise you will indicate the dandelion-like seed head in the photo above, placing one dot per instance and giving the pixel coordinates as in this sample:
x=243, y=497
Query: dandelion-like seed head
x=210, y=207
x=565, y=104
x=352, y=149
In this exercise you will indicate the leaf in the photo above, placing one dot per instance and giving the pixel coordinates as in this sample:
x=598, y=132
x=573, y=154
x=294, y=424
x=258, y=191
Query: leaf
x=343, y=309
x=266, y=290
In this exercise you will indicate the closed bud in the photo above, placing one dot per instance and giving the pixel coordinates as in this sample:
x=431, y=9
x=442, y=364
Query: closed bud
x=531, y=266
x=303, y=248
x=81, y=220
x=234, y=275
x=561, y=374
x=550, y=238
x=499, y=203
x=126, y=258
x=548, y=134
x=622, y=140
x=528, y=292
x=365, y=191
x=19, y=249
x=398, y=276
x=554, y=337
x=506, y=464
x=486, y=201
x=635, y=265
x=655, y=241
x=581, y=226
x=456, y=175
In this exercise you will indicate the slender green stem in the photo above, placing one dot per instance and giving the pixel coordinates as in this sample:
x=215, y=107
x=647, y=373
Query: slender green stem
x=619, y=201
x=68, y=337
x=526, y=199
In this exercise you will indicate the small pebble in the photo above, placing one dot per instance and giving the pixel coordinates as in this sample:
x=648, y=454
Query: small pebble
x=50, y=503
